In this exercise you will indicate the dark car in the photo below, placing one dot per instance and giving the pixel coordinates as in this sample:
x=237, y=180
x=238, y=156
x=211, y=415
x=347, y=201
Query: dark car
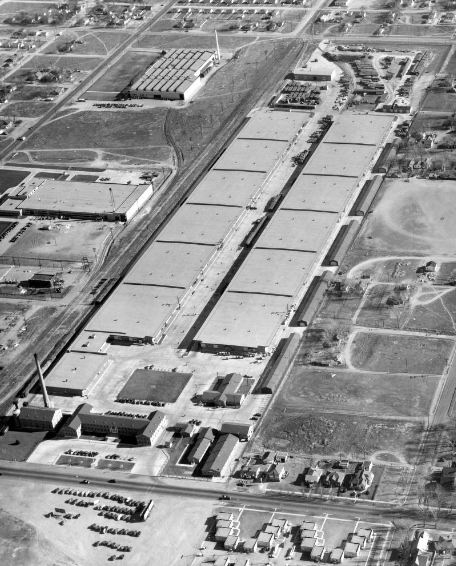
x=225, y=497
x=112, y=481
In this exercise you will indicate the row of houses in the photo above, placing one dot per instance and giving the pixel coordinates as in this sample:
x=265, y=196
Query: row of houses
x=227, y=532
x=360, y=478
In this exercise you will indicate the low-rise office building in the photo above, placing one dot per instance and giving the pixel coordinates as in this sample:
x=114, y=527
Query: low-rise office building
x=39, y=418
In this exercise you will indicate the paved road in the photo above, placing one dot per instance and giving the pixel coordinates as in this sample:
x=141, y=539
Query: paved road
x=207, y=490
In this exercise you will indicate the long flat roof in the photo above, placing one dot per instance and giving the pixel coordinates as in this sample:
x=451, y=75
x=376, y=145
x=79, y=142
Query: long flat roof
x=345, y=160
x=135, y=310
x=227, y=188
x=317, y=192
x=365, y=129
x=170, y=264
x=272, y=125
x=251, y=155
x=299, y=230
x=83, y=197
x=199, y=224
x=76, y=370
x=244, y=319
x=273, y=272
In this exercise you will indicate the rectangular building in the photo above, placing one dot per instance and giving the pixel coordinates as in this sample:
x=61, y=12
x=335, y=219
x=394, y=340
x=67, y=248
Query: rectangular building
x=39, y=418
x=219, y=459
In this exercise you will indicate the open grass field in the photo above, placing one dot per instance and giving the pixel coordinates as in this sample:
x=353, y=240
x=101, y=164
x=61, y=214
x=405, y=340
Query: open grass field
x=4, y=225
x=400, y=353
x=115, y=465
x=11, y=178
x=154, y=385
x=333, y=434
x=30, y=7
x=227, y=43
x=27, y=92
x=420, y=30
x=79, y=461
x=439, y=101
x=310, y=388
x=120, y=75
x=115, y=137
x=62, y=62
x=251, y=522
x=434, y=311
x=27, y=109
x=410, y=218
x=94, y=42
x=28, y=440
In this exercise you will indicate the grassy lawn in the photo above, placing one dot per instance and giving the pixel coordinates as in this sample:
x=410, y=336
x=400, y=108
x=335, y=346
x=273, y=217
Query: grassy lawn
x=10, y=178
x=437, y=314
x=155, y=385
x=378, y=394
x=440, y=101
x=120, y=75
x=30, y=7
x=63, y=62
x=27, y=109
x=114, y=130
x=28, y=440
x=400, y=354
x=94, y=42
x=252, y=522
x=227, y=43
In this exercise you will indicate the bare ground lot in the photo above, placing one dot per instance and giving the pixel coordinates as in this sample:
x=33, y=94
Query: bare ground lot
x=11, y=178
x=356, y=392
x=31, y=7
x=227, y=43
x=399, y=353
x=408, y=218
x=69, y=240
x=332, y=434
x=176, y=527
x=155, y=385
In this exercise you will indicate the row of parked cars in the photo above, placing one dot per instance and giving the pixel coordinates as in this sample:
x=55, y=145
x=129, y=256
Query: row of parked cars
x=103, y=529
x=21, y=231
x=140, y=402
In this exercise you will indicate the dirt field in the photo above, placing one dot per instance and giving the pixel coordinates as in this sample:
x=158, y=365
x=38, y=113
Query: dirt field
x=176, y=527
x=31, y=7
x=410, y=218
x=69, y=240
x=344, y=390
x=400, y=353
x=18, y=445
x=439, y=101
x=32, y=92
x=331, y=434
x=120, y=75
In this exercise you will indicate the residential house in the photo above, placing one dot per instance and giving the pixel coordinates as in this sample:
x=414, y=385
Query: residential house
x=283, y=524
x=281, y=457
x=351, y=550
x=222, y=534
x=250, y=545
x=317, y=553
x=231, y=542
x=307, y=544
x=445, y=545
x=265, y=540
x=272, y=530
x=368, y=534
x=356, y=539
x=361, y=479
x=336, y=556
x=313, y=475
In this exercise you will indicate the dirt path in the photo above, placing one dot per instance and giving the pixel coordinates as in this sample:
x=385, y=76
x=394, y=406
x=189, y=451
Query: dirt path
x=352, y=273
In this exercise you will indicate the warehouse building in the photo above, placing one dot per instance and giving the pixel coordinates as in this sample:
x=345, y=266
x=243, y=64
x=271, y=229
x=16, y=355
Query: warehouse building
x=317, y=69
x=366, y=196
x=39, y=418
x=176, y=75
x=242, y=431
x=227, y=394
x=312, y=299
x=341, y=244
x=145, y=430
x=202, y=444
x=219, y=459
x=83, y=201
x=265, y=291
x=76, y=374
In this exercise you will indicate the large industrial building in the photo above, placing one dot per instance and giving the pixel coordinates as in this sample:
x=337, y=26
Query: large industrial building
x=266, y=289
x=145, y=430
x=142, y=307
x=176, y=75
x=86, y=201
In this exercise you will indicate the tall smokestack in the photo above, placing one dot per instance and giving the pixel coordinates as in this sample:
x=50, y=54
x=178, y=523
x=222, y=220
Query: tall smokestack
x=218, y=48
x=47, y=402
